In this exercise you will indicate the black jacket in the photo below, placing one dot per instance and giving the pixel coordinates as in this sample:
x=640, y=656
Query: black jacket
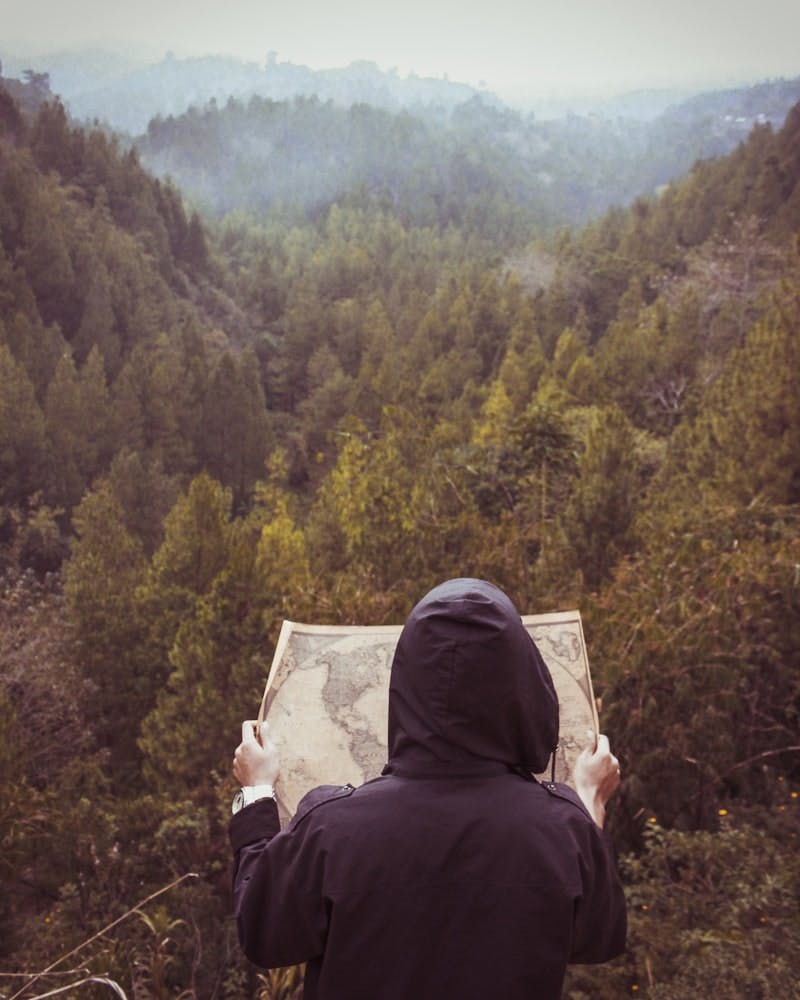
x=454, y=874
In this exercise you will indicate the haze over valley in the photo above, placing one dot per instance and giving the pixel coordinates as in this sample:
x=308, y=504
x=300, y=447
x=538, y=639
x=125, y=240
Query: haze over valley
x=567, y=110
x=522, y=50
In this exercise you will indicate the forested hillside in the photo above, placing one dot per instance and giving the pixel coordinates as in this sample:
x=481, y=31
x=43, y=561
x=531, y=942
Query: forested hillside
x=320, y=411
x=477, y=164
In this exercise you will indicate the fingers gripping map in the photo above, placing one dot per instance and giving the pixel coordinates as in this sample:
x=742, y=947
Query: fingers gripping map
x=327, y=690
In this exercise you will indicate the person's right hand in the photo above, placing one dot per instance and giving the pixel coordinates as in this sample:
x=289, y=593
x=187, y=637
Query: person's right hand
x=597, y=777
x=255, y=761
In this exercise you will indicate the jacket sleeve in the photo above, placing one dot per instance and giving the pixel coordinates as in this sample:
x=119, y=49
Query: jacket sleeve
x=599, y=927
x=600, y=919
x=280, y=917
x=278, y=881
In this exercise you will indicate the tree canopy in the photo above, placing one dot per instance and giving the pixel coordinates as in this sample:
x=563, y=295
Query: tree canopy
x=208, y=425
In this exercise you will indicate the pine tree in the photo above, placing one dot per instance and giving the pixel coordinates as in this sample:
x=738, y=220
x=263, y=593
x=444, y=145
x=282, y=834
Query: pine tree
x=66, y=429
x=220, y=656
x=102, y=576
x=52, y=141
x=602, y=505
x=35, y=346
x=195, y=248
x=235, y=429
x=97, y=444
x=97, y=325
x=46, y=256
x=22, y=433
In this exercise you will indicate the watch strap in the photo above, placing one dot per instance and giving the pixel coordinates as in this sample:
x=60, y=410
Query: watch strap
x=252, y=793
x=248, y=794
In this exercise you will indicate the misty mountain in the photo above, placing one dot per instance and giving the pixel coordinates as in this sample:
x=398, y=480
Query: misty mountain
x=236, y=135
x=307, y=155
x=94, y=84
x=439, y=167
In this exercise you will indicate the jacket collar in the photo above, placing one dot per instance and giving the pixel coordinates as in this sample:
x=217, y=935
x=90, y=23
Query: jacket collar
x=447, y=769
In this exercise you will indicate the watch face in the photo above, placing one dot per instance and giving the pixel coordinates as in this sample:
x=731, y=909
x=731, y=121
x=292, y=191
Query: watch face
x=238, y=801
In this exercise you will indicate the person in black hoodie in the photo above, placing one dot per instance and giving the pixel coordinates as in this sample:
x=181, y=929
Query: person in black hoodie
x=455, y=874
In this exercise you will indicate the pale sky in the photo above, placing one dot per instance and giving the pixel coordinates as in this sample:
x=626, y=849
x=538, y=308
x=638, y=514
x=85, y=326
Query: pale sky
x=516, y=47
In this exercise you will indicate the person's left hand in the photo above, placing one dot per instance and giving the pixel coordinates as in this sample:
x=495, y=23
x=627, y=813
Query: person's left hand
x=255, y=761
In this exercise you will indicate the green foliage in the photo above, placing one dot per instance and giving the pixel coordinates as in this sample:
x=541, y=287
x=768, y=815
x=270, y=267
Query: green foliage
x=707, y=916
x=22, y=439
x=235, y=433
x=238, y=591
x=609, y=421
x=68, y=435
x=105, y=570
x=393, y=511
x=313, y=154
x=599, y=514
x=695, y=642
x=102, y=295
x=748, y=432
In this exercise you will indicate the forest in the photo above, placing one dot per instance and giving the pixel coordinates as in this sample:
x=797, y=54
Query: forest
x=214, y=420
x=435, y=163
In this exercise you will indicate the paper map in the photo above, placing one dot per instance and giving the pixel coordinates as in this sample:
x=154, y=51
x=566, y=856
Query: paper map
x=327, y=690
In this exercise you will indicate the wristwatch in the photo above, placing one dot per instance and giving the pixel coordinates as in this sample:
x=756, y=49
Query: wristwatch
x=248, y=794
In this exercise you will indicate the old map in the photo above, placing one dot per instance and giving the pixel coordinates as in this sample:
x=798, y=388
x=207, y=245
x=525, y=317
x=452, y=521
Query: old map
x=326, y=700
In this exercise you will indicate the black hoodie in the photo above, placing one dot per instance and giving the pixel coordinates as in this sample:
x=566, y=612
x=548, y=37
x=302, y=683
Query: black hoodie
x=455, y=874
x=468, y=682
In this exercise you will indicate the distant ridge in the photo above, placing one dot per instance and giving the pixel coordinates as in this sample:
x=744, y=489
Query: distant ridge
x=432, y=167
x=93, y=84
x=126, y=93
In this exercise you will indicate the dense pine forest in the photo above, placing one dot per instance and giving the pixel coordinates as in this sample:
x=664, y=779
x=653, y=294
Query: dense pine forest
x=216, y=416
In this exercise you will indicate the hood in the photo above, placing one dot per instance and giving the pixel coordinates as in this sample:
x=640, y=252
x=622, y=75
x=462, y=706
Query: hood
x=468, y=682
